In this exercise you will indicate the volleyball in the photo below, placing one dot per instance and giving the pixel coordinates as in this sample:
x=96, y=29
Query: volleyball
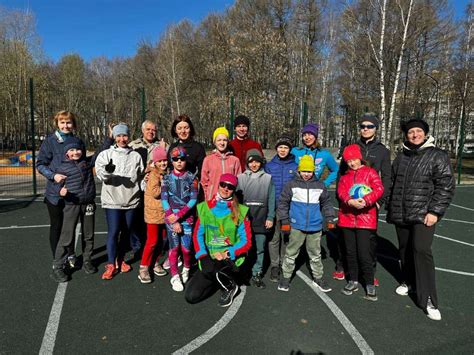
x=359, y=190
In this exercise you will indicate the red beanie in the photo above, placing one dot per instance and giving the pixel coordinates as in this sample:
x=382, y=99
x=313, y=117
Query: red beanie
x=352, y=152
x=230, y=178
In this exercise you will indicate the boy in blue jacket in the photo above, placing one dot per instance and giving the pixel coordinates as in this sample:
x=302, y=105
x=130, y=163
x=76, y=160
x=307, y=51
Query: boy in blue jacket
x=304, y=204
x=282, y=169
x=78, y=192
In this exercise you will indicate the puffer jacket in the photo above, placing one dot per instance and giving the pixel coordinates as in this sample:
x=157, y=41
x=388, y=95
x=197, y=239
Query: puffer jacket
x=422, y=183
x=79, y=183
x=50, y=156
x=121, y=188
x=214, y=165
x=365, y=218
x=154, y=212
x=282, y=171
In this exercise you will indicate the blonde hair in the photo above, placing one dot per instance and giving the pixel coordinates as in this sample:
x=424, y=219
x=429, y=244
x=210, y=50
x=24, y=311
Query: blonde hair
x=65, y=115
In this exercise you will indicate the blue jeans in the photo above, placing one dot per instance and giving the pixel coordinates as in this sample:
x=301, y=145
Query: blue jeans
x=260, y=249
x=114, y=221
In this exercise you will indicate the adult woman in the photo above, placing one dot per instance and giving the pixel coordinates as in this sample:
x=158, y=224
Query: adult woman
x=183, y=130
x=222, y=237
x=50, y=156
x=422, y=189
x=120, y=169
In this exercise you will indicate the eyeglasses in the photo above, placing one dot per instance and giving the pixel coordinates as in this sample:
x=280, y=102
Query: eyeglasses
x=368, y=126
x=175, y=159
x=226, y=185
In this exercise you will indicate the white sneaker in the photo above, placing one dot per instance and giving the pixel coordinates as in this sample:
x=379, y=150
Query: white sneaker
x=432, y=312
x=176, y=283
x=185, y=274
x=403, y=289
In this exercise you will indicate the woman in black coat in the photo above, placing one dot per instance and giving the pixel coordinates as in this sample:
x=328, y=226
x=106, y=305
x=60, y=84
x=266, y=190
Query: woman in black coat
x=422, y=189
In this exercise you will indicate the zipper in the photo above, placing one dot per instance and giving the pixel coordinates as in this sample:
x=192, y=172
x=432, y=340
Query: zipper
x=307, y=205
x=403, y=187
x=355, y=214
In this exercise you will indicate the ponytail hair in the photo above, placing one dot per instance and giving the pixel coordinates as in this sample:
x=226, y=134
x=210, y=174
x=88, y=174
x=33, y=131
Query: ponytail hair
x=235, y=210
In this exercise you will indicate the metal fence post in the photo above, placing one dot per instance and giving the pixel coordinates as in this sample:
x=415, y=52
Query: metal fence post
x=232, y=108
x=33, y=140
x=142, y=92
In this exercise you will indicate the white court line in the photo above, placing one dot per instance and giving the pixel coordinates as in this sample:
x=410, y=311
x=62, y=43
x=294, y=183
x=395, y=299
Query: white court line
x=216, y=328
x=49, y=338
x=453, y=240
x=25, y=227
x=341, y=317
x=456, y=220
x=464, y=208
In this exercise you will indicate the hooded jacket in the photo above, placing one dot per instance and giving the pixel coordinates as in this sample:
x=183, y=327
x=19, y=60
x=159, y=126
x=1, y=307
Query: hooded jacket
x=322, y=158
x=365, y=218
x=282, y=171
x=213, y=167
x=121, y=188
x=422, y=182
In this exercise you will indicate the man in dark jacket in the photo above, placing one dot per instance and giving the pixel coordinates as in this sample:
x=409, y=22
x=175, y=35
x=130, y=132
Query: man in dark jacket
x=422, y=189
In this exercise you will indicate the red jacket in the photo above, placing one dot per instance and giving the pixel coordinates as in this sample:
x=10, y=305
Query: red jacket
x=365, y=218
x=241, y=147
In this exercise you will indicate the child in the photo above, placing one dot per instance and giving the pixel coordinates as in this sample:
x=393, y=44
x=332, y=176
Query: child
x=282, y=168
x=258, y=192
x=358, y=219
x=220, y=161
x=78, y=193
x=179, y=195
x=121, y=170
x=154, y=214
x=304, y=203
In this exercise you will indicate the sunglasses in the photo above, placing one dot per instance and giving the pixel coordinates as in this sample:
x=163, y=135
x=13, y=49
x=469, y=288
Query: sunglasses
x=368, y=126
x=178, y=159
x=226, y=185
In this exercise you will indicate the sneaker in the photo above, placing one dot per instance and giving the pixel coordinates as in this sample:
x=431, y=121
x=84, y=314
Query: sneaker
x=72, y=261
x=322, y=285
x=274, y=273
x=89, y=267
x=124, y=267
x=176, y=283
x=159, y=271
x=185, y=275
x=144, y=275
x=227, y=296
x=59, y=275
x=371, y=294
x=403, y=289
x=166, y=264
x=284, y=284
x=110, y=272
x=257, y=281
x=350, y=288
x=338, y=275
x=376, y=282
x=432, y=312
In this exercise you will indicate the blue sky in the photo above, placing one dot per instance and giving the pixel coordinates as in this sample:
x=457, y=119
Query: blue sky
x=113, y=28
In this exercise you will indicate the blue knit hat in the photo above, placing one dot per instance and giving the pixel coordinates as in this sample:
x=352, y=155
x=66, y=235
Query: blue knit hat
x=73, y=143
x=121, y=128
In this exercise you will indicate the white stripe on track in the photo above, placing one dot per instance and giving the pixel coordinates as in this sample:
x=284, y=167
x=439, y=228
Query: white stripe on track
x=453, y=240
x=49, y=337
x=464, y=208
x=25, y=227
x=341, y=317
x=456, y=220
x=216, y=328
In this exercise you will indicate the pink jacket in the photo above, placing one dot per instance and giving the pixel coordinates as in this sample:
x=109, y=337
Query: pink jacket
x=214, y=165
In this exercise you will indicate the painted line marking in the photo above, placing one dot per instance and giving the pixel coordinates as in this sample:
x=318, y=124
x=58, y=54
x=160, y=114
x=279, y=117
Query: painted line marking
x=341, y=317
x=456, y=220
x=464, y=208
x=49, y=338
x=216, y=328
x=453, y=240
x=25, y=227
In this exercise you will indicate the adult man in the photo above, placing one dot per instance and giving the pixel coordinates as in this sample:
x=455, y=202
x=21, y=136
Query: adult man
x=145, y=144
x=378, y=157
x=241, y=144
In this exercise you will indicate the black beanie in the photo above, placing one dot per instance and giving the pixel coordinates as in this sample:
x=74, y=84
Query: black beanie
x=284, y=139
x=254, y=155
x=415, y=122
x=73, y=143
x=370, y=117
x=242, y=120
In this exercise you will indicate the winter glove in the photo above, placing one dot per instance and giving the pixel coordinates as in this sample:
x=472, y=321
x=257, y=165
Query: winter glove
x=285, y=229
x=110, y=167
x=331, y=223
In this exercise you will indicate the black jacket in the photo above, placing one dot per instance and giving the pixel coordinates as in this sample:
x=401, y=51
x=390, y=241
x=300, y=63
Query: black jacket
x=423, y=182
x=378, y=157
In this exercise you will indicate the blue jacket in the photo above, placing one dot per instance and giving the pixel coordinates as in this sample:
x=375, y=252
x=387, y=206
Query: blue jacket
x=50, y=156
x=322, y=158
x=281, y=171
x=303, y=204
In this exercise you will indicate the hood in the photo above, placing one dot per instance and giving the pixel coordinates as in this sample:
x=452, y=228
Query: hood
x=428, y=144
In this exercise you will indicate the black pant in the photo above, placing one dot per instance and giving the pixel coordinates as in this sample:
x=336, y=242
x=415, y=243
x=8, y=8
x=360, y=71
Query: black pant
x=359, y=253
x=214, y=274
x=56, y=222
x=417, y=261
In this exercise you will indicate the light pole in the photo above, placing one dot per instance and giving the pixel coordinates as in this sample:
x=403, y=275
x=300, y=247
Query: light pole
x=437, y=100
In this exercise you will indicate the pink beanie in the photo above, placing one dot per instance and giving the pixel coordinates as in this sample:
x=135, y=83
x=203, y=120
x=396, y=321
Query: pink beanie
x=230, y=178
x=158, y=154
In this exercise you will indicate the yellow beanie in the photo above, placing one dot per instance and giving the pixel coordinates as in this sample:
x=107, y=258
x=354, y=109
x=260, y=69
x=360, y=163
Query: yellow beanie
x=306, y=163
x=220, y=130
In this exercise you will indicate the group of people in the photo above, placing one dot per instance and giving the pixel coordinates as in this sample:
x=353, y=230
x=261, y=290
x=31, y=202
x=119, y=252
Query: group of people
x=223, y=211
